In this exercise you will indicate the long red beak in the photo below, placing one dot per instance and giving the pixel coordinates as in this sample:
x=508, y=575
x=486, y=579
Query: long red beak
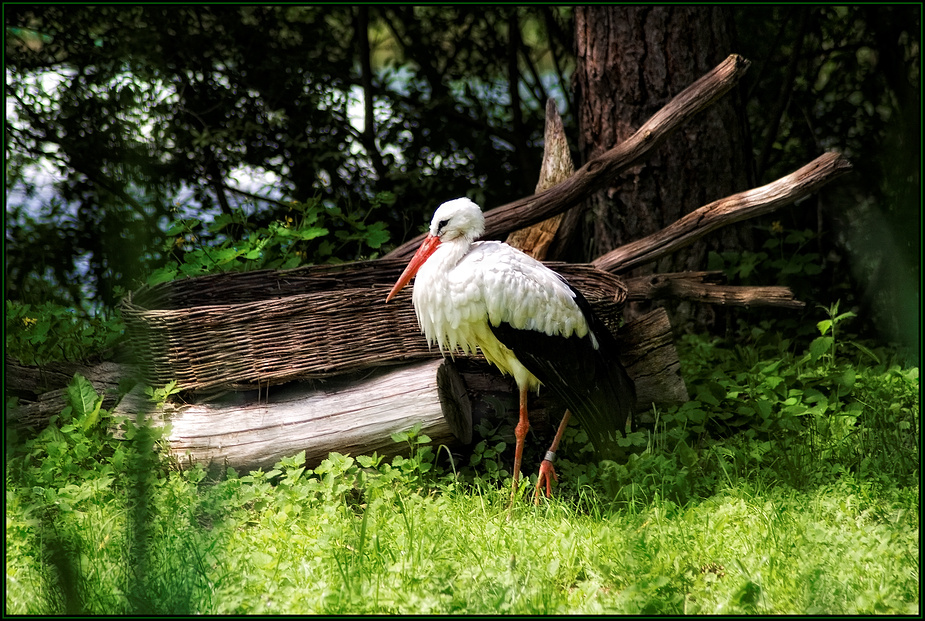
x=424, y=251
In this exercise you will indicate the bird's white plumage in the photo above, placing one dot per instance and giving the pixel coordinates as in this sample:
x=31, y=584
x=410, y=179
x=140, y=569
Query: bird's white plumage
x=464, y=285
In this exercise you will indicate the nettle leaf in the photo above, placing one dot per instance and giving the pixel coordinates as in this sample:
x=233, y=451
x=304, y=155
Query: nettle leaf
x=82, y=395
x=848, y=378
x=820, y=346
x=811, y=395
x=763, y=406
x=867, y=351
x=844, y=316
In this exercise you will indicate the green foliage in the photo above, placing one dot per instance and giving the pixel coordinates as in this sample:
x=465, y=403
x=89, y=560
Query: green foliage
x=48, y=332
x=310, y=234
x=784, y=256
x=147, y=107
x=845, y=79
x=768, y=412
x=781, y=517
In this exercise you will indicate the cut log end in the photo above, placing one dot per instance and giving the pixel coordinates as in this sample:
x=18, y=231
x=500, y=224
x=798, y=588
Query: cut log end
x=454, y=401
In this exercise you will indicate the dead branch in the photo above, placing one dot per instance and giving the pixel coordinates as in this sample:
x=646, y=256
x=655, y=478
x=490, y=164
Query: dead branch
x=697, y=286
x=350, y=416
x=729, y=210
x=605, y=167
x=557, y=166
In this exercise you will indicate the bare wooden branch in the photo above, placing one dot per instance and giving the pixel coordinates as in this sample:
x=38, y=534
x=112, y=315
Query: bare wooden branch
x=703, y=287
x=729, y=210
x=600, y=170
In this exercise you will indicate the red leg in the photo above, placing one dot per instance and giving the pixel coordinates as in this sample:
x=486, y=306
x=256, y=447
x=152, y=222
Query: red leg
x=547, y=472
x=520, y=434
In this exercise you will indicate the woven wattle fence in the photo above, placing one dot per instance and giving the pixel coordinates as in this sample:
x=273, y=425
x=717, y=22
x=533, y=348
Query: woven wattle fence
x=244, y=330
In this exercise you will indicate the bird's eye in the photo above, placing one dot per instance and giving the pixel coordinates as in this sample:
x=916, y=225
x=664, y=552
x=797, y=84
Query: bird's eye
x=442, y=224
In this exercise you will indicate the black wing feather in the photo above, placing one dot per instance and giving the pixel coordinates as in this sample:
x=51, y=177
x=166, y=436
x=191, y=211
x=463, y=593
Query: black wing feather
x=592, y=383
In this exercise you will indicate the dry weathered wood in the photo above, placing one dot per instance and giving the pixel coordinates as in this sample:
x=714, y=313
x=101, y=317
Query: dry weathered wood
x=556, y=167
x=350, y=417
x=648, y=349
x=735, y=208
x=705, y=287
x=599, y=171
x=649, y=355
x=42, y=392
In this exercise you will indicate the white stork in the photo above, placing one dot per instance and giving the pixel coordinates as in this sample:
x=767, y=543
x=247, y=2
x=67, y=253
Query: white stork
x=526, y=319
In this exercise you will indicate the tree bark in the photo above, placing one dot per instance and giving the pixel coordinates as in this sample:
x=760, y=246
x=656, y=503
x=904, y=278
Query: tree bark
x=631, y=60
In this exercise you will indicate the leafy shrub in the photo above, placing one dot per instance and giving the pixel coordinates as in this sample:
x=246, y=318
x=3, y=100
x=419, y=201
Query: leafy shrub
x=311, y=233
x=37, y=335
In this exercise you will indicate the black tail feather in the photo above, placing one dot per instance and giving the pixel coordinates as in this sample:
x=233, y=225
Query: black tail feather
x=591, y=383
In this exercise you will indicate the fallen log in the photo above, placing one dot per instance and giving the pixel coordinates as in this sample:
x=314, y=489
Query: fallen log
x=42, y=393
x=347, y=416
x=357, y=415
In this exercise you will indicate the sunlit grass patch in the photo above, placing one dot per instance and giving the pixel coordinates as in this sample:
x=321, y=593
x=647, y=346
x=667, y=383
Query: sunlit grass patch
x=796, y=512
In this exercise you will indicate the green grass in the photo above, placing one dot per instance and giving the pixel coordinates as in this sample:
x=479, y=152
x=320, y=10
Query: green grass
x=788, y=485
x=242, y=546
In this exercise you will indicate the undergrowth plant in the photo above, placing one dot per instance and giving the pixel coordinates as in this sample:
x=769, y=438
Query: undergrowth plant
x=706, y=516
x=313, y=232
x=47, y=332
x=769, y=412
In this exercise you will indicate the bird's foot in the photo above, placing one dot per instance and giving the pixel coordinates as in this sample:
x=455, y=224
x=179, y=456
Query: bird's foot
x=545, y=478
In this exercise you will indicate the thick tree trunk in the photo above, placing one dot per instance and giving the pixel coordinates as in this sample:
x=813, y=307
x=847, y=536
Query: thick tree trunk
x=631, y=61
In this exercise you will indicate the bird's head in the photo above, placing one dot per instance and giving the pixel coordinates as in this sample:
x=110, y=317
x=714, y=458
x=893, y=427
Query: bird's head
x=458, y=219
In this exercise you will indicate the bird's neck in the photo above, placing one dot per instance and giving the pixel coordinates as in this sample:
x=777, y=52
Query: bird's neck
x=450, y=253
